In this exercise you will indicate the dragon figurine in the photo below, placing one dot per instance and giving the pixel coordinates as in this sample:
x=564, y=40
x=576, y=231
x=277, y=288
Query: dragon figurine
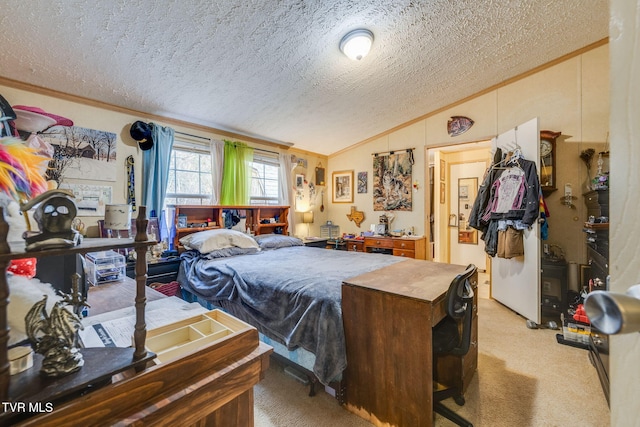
x=55, y=336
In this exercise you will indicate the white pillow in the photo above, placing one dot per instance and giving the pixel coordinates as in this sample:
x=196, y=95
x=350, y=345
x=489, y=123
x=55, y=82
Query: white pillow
x=221, y=238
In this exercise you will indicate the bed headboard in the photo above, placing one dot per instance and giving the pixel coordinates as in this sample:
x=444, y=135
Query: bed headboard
x=263, y=219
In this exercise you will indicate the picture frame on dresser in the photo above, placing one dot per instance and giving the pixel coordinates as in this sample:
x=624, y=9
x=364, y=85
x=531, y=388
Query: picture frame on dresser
x=152, y=228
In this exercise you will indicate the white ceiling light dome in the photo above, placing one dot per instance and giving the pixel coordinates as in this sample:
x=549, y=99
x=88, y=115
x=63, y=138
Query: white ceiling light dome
x=357, y=43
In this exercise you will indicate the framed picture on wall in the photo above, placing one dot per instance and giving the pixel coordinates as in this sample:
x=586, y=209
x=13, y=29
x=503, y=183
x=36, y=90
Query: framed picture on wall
x=343, y=187
x=443, y=170
x=299, y=182
x=442, y=193
x=362, y=182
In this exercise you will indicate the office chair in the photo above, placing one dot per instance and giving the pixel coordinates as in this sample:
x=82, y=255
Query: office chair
x=448, y=340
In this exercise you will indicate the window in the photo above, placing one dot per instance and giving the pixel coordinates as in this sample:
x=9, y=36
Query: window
x=189, y=176
x=265, y=182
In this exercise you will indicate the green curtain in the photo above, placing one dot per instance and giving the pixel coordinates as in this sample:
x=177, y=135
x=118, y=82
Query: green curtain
x=236, y=174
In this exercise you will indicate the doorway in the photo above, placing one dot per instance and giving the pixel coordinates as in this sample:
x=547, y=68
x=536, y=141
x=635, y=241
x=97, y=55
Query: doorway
x=456, y=171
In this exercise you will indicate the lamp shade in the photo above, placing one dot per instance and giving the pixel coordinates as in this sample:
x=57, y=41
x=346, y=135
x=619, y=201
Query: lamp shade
x=356, y=44
x=307, y=217
x=117, y=217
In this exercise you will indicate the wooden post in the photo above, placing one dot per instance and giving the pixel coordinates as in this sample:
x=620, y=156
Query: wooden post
x=140, y=332
x=4, y=302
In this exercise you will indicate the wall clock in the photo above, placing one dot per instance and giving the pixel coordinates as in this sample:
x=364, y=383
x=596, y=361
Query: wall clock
x=548, y=161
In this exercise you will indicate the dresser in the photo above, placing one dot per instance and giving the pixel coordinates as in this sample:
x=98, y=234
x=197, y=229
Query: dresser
x=597, y=241
x=407, y=246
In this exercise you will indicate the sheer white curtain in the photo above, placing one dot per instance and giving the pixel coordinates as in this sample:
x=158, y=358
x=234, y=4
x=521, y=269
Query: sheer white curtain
x=217, y=161
x=286, y=191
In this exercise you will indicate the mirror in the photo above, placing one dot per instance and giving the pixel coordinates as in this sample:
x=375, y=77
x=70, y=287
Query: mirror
x=320, y=176
x=467, y=192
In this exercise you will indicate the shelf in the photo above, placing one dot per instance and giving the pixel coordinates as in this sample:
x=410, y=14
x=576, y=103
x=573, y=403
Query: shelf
x=194, y=229
x=88, y=245
x=253, y=214
x=272, y=224
x=100, y=364
x=597, y=226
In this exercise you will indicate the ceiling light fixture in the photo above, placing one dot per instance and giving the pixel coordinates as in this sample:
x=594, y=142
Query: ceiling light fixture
x=356, y=44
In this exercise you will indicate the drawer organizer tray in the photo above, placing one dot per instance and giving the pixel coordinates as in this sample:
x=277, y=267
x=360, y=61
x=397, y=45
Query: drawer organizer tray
x=177, y=339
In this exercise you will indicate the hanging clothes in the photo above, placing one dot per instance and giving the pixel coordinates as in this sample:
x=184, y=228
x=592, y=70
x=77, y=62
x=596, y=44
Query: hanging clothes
x=508, y=202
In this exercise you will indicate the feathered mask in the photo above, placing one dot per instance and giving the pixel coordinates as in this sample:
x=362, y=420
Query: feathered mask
x=20, y=170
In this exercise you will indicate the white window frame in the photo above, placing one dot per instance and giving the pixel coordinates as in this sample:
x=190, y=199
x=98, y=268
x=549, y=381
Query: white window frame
x=262, y=157
x=200, y=149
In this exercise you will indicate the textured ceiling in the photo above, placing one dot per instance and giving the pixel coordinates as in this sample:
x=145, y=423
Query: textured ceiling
x=272, y=69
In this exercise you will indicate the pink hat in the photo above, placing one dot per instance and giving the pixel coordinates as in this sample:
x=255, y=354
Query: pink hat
x=63, y=121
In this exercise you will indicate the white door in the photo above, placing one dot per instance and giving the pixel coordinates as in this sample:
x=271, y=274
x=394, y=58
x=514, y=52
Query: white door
x=465, y=253
x=515, y=282
x=624, y=264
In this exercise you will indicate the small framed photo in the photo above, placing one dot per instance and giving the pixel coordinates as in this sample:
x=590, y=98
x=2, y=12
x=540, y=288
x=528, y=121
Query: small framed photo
x=343, y=187
x=299, y=182
x=463, y=192
x=362, y=182
x=443, y=170
x=442, y=193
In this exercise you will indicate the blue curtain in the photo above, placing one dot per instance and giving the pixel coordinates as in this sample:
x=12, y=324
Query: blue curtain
x=156, y=169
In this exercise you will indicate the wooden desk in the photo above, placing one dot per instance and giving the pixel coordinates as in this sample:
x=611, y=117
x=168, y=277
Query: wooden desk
x=388, y=316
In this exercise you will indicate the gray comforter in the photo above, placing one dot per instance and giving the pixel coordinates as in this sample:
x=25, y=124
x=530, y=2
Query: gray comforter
x=290, y=294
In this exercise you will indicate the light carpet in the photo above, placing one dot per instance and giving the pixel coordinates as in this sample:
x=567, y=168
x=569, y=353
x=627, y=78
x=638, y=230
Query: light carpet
x=524, y=378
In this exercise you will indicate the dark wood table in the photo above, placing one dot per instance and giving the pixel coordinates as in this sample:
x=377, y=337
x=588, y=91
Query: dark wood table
x=116, y=295
x=388, y=317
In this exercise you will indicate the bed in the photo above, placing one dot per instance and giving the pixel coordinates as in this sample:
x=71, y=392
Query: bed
x=291, y=293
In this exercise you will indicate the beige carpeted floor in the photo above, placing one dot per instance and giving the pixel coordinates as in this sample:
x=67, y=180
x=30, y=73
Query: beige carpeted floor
x=524, y=378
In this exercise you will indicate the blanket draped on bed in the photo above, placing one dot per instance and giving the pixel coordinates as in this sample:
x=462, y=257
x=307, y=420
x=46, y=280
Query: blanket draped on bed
x=290, y=294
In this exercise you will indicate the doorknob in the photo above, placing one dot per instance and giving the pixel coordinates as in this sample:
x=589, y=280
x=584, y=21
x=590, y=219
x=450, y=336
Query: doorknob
x=614, y=313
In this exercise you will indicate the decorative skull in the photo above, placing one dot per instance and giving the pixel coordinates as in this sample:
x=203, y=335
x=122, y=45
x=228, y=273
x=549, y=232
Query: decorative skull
x=56, y=214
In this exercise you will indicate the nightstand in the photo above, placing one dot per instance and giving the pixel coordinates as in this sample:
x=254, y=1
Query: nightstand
x=162, y=270
x=315, y=243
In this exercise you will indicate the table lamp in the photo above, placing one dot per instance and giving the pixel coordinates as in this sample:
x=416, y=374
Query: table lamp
x=307, y=218
x=117, y=218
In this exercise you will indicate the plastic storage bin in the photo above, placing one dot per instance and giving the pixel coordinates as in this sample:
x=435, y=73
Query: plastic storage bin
x=105, y=266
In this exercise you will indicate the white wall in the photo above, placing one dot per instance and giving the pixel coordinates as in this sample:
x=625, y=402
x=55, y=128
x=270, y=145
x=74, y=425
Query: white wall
x=93, y=116
x=571, y=97
x=361, y=159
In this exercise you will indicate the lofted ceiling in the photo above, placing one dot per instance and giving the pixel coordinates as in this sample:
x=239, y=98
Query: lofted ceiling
x=273, y=70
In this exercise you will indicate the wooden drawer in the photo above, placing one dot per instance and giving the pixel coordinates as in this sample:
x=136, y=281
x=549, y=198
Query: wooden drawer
x=378, y=242
x=187, y=336
x=407, y=253
x=355, y=245
x=404, y=244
